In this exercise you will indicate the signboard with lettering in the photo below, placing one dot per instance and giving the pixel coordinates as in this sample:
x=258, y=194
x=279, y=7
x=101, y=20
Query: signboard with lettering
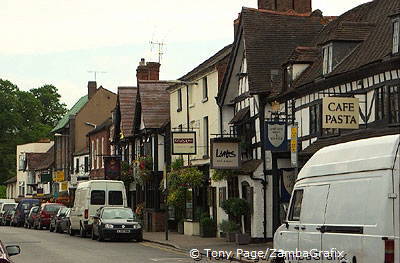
x=276, y=139
x=293, y=145
x=63, y=186
x=340, y=113
x=58, y=176
x=183, y=143
x=112, y=167
x=225, y=153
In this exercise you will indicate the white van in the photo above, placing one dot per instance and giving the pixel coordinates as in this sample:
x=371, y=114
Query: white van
x=346, y=200
x=89, y=197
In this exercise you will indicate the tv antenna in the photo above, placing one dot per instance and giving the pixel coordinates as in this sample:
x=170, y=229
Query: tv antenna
x=160, y=49
x=95, y=72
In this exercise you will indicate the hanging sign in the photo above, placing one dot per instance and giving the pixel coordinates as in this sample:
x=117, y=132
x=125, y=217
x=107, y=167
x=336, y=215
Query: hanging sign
x=225, y=153
x=293, y=146
x=112, y=168
x=276, y=140
x=63, y=186
x=183, y=143
x=340, y=113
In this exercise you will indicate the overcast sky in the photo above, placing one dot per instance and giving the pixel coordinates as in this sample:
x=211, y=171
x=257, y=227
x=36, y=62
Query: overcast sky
x=58, y=41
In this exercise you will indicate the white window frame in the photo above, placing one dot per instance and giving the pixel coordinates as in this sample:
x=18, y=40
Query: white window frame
x=327, y=58
x=102, y=152
x=96, y=153
x=396, y=36
x=93, y=155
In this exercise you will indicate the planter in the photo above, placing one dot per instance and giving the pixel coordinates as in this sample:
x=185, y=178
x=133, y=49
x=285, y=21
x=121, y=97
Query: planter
x=231, y=237
x=181, y=228
x=242, y=239
x=208, y=231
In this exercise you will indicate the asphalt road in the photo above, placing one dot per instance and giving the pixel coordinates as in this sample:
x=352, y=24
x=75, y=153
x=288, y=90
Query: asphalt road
x=42, y=246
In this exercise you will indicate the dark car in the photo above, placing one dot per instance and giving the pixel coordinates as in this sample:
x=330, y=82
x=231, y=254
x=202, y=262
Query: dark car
x=45, y=213
x=31, y=216
x=8, y=251
x=7, y=217
x=116, y=222
x=24, y=206
x=4, y=207
x=58, y=220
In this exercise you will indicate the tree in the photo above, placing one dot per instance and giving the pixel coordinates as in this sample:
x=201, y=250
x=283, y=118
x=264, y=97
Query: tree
x=3, y=191
x=51, y=110
x=25, y=116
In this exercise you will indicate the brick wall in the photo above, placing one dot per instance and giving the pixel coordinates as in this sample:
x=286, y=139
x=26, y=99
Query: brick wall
x=101, y=147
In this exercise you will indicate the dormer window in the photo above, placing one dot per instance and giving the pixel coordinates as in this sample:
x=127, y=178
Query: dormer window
x=396, y=35
x=327, y=59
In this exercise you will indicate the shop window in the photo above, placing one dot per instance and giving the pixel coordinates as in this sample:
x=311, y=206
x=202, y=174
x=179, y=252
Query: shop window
x=387, y=104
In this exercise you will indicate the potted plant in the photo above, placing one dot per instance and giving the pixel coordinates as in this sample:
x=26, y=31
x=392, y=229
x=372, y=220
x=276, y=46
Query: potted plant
x=229, y=228
x=236, y=208
x=207, y=226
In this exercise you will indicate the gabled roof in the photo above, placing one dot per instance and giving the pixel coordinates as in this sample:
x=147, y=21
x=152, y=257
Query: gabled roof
x=11, y=180
x=368, y=23
x=40, y=161
x=154, y=103
x=74, y=110
x=303, y=55
x=270, y=38
x=207, y=64
x=127, y=104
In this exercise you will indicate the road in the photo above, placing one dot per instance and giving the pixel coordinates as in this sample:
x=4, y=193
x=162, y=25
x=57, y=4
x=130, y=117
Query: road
x=46, y=247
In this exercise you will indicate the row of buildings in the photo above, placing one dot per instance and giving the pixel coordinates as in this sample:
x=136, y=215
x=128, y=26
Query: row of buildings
x=292, y=82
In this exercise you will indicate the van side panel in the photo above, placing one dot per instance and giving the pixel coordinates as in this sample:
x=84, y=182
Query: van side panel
x=396, y=180
x=358, y=215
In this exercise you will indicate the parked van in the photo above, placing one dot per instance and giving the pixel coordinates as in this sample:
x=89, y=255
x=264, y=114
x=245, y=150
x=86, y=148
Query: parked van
x=23, y=208
x=89, y=197
x=346, y=199
x=6, y=201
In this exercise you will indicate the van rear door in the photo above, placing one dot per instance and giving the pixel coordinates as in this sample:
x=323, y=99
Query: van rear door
x=312, y=218
x=116, y=194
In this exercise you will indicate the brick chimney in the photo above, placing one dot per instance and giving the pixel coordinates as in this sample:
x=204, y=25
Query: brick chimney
x=148, y=71
x=299, y=6
x=92, y=88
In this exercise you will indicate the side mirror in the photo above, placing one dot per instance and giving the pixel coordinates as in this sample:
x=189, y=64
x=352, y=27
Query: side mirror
x=286, y=224
x=13, y=250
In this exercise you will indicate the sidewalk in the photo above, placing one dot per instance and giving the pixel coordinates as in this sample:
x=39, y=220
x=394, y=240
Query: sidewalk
x=187, y=243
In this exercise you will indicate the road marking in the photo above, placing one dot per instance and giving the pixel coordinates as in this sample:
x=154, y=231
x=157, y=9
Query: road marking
x=173, y=250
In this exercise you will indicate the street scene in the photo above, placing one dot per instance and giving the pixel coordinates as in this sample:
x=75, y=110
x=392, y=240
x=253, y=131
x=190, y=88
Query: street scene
x=246, y=131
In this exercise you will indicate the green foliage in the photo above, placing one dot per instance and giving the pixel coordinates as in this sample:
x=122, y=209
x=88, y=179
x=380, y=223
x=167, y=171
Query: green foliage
x=177, y=164
x=3, y=193
x=25, y=116
x=236, y=207
x=229, y=226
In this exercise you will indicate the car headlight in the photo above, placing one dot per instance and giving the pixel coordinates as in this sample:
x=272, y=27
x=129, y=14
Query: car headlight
x=137, y=226
x=108, y=226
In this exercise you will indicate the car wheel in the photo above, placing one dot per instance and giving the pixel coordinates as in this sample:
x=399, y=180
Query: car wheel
x=139, y=239
x=82, y=232
x=70, y=230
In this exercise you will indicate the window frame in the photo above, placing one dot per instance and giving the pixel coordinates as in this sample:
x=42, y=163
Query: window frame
x=327, y=53
x=206, y=136
x=179, y=94
x=396, y=36
x=205, y=89
x=293, y=201
x=91, y=197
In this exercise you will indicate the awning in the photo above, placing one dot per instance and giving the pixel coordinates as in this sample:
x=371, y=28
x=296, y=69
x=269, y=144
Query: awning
x=240, y=115
x=248, y=167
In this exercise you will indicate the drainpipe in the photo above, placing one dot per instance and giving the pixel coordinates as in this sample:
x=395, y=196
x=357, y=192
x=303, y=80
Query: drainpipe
x=264, y=180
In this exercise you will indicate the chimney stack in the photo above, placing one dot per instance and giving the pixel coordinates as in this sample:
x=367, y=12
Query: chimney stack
x=299, y=6
x=92, y=88
x=148, y=70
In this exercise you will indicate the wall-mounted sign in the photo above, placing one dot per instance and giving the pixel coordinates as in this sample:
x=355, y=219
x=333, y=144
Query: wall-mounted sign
x=341, y=113
x=293, y=145
x=112, y=168
x=225, y=153
x=276, y=139
x=58, y=176
x=183, y=143
x=63, y=186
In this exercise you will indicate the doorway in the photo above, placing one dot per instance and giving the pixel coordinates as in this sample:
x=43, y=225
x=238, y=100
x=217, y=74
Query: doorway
x=247, y=194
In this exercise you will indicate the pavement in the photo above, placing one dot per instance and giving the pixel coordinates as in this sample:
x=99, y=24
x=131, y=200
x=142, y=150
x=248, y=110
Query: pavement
x=208, y=247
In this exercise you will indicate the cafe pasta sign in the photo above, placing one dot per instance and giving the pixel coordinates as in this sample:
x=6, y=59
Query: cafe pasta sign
x=340, y=113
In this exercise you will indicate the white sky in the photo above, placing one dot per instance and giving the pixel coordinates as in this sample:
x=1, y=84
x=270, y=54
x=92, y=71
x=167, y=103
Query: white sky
x=58, y=41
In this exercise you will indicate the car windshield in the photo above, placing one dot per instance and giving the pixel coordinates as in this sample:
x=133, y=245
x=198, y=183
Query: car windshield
x=7, y=207
x=52, y=208
x=118, y=214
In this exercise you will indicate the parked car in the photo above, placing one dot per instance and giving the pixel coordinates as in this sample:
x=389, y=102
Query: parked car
x=65, y=222
x=116, y=222
x=45, y=213
x=23, y=208
x=347, y=198
x=89, y=197
x=31, y=216
x=6, y=219
x=4, y=207
x=55, y=222
x=8, y=251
